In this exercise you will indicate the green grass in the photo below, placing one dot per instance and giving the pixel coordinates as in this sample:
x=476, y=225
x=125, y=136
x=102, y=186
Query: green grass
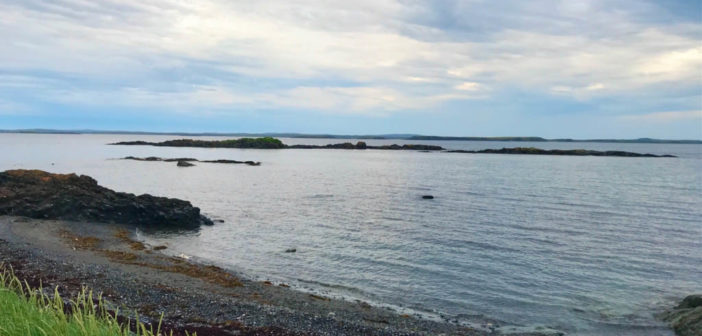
x=263, y=143
x=28, y=311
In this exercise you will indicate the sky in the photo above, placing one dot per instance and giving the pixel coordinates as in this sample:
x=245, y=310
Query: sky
x=557, y=69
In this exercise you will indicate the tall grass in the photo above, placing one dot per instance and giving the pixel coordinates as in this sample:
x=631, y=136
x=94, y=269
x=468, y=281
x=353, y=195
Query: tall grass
x=29, y=311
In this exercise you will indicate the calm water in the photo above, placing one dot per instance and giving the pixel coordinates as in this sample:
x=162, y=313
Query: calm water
x=587, y=245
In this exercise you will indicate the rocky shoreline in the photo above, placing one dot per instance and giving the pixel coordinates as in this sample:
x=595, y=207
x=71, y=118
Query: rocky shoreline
x=192, y=296
x=42, y=195
x=65, y=231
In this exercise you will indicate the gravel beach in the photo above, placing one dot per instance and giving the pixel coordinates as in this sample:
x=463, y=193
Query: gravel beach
x=191, y=296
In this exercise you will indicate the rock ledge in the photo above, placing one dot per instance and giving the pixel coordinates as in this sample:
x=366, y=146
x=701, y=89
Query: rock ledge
x=43, y=195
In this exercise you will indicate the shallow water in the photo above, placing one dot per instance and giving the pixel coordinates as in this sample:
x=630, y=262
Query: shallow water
x=587, y=245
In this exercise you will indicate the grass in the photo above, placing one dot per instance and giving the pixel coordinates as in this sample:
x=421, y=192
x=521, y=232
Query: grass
x=28, y=311
x=264, y=143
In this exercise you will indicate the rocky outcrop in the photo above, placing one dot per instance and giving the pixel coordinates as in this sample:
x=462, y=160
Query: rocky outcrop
x=38, y=194
x=686, y=318
x=363, y=145
x=187, y=160
x=270, y=143
x=573, y=152
x=262, y=143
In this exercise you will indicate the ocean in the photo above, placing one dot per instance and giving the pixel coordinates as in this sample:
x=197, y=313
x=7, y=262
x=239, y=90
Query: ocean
x=583, y=245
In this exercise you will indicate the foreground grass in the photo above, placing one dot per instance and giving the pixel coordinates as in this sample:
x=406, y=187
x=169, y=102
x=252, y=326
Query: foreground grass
x=28, y=311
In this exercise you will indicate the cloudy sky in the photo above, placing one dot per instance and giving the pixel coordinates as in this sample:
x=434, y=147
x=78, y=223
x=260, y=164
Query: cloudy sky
x=582, y=69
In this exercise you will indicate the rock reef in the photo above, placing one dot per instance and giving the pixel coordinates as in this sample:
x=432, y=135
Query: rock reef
x=271, y=143
x=187, y=160
x=686, y=318
x=261, y=143
x=42, y=195
x=571, y=152
x=363, y=145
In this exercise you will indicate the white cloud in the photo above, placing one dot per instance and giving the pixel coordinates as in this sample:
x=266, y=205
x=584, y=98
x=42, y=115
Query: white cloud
x=468, y=86
x=159, y=51
x=595, y=86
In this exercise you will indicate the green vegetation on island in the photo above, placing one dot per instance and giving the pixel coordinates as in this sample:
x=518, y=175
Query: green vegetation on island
x=261, y=143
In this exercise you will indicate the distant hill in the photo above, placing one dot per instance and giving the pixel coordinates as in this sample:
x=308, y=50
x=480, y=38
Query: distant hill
x=379, y=136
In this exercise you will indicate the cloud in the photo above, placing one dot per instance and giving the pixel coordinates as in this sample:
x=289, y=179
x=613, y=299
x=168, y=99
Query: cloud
x=468, y=86
x=360, y=57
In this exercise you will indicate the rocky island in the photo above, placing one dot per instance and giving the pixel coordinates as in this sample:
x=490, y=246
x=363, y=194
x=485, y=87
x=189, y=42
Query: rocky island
x=270, y=143
x=42, y=195
x=260, y=143
x=571, y=152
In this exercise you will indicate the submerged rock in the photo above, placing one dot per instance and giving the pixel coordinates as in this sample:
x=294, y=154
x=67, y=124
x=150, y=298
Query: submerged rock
x=43, y=195
x=184, y=164
x=188, y=160
x=686, y=318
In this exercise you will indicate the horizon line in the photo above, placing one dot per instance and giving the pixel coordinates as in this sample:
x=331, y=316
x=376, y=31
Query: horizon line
x=385, y=136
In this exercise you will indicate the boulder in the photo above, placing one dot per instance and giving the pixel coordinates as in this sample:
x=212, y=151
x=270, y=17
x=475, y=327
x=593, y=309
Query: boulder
x=43, y=195
x=686, y=318
x=184, y=164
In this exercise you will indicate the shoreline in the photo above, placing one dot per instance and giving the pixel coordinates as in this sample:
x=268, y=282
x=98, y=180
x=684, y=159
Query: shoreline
x=190, y=295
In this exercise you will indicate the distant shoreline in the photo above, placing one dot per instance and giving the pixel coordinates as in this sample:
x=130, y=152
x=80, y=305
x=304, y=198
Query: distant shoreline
x=362, y=137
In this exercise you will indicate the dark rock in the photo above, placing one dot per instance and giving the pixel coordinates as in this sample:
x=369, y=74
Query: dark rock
x=262, y=143
x=691, y=301
x=363, y=145
x=188, y=160
x=38, y=194
x=428, y=197
x=572, y=152
x=184, y=164
x=686, y=318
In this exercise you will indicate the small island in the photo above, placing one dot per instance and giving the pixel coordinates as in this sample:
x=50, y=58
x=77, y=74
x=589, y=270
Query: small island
x=260, y=143
x=570, y=152
x=271, y=143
